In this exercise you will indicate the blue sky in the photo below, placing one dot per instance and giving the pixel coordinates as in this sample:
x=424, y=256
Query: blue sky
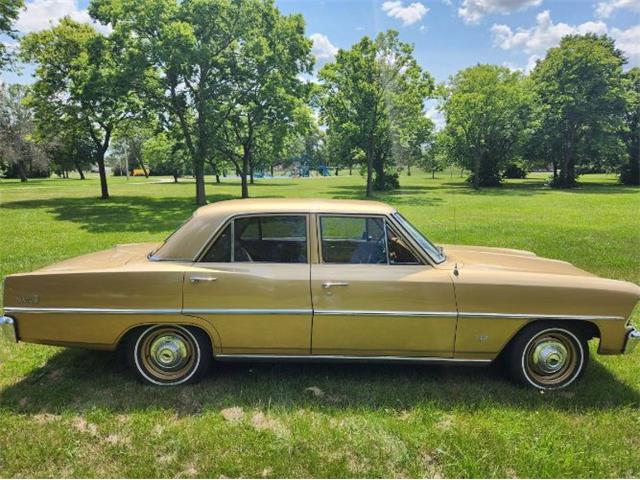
x=448, y=34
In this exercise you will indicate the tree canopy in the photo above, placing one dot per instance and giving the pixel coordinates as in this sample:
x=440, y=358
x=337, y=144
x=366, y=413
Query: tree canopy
x=9, y=11
x=220, y=68
x=85, y=81
x=371, y=97
x=486, y=108
x=580, y=100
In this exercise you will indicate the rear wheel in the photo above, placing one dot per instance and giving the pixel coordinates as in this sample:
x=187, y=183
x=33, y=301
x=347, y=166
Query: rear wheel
x=169, y=354
x=547, y=356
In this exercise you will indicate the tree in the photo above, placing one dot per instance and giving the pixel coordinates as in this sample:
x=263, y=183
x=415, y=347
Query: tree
x=486, y=109
x=128, y=142
x=580, y=102
x=220, y=68
x=369, y=94
x=412, y=142
x=70, y=150
x=84, y=80
x=630, y=171
x=267, y=94
x=18, y=151
x=165, y=156
x=435, y=156
x=9, y=11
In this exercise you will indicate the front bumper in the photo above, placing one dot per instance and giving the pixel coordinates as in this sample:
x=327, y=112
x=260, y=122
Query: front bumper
x=633, y=338
x=8, y=329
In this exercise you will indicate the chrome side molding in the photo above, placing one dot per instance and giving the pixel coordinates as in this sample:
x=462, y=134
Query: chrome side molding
x=350, y=358
x=303, y=311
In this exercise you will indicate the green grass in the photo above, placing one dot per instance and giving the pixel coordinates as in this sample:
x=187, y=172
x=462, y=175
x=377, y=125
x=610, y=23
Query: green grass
x=76, y=413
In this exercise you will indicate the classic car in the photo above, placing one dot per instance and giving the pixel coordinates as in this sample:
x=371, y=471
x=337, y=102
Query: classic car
x=276, y=279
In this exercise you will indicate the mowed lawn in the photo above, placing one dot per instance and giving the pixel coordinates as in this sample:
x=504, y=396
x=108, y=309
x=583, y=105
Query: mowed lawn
x=67, y=412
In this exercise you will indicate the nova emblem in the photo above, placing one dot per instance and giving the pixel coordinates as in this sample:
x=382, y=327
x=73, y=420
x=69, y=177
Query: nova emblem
x=28, y=299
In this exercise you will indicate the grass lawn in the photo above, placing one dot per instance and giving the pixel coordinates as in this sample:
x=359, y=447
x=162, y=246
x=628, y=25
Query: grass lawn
x=76, y=413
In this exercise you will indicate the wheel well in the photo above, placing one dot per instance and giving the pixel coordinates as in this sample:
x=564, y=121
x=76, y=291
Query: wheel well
x=127, y=335
x=582, y=328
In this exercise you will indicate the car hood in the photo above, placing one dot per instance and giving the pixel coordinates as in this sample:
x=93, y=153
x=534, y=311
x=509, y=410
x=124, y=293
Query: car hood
x=505, y=259
x=115, y=257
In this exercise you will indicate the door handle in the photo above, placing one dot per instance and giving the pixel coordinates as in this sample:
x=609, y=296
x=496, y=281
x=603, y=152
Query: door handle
x=335, y=284
x=202, y=279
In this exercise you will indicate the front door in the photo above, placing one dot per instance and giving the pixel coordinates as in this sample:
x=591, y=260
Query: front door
x=373, y=297
x=252, y=285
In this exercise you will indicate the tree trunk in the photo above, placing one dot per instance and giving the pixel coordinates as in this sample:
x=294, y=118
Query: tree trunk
x=337, y=171
x=79, y=169
x=198, y=171
x=476, y=171
x=217, y=177
x=246, y=162
x=369, y=173
x=103, y=175
x=408, y=169
x=251, y=171
x=22, y=171
x=175, y=177
x=350, y=169
x=433, y=174
x=144, y=167
x=271, y=170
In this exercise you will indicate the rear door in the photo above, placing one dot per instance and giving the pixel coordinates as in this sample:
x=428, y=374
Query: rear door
x=252, y=285
x=372, y=296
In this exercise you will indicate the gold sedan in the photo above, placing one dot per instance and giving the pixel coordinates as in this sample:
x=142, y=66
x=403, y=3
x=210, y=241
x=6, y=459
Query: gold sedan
x=321, y=280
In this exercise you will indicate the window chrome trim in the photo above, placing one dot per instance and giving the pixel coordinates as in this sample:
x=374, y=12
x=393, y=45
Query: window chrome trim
x=303, y=311
x=386, y=219
x=432, y=261
x=231, y=221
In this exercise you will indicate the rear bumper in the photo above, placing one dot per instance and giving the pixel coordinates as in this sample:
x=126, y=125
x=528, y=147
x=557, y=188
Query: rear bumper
x=633, y=338
x=8, y=329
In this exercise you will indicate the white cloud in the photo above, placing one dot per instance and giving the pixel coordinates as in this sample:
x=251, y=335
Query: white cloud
x=629, y=42
x=605, y=9
x=41, y=14
x=436, y=116
x=322, y=48
x=544, y=35
x=409, y=15
x=531, y=63
x=472, y=11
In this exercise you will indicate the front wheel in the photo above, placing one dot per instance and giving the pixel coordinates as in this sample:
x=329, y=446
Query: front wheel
x=169, y=354
x=548, y=357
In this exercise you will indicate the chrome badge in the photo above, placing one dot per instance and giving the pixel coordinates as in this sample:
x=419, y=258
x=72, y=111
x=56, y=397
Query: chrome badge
x=28, y=299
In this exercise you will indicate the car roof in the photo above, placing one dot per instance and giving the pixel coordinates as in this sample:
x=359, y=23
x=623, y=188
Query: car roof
x=188, y=240
x=293, y=205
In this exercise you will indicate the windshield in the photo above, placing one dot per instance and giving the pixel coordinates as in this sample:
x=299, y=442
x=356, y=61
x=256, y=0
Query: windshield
x=433, y=251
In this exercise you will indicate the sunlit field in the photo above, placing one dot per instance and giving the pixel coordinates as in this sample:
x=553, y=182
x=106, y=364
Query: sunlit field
x=77, y=413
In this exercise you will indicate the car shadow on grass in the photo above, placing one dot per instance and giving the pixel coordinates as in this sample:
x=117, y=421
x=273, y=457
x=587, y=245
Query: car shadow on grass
x=78, y=381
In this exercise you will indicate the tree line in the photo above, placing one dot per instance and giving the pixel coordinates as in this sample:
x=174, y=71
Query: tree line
x=218, y=86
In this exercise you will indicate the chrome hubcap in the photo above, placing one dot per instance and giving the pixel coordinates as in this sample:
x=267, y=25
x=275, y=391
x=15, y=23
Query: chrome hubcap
x=549, y=357
x=169, y=352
